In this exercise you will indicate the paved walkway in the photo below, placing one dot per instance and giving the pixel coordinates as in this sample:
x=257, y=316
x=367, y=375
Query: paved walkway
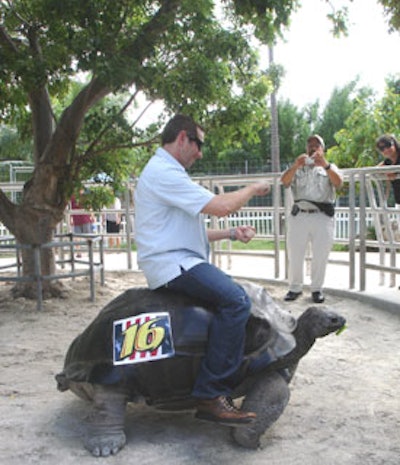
x=262, y=269
x=336, y=280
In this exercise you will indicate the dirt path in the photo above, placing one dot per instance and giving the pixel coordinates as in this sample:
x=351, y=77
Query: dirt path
x=344, y=408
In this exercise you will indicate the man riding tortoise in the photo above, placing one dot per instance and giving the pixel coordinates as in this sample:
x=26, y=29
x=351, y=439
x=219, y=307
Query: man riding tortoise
x=194, y=338
x=108, y=371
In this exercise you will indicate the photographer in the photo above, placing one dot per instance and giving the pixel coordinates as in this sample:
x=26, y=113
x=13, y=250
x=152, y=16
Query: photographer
x=389, y=147
x=313, y=181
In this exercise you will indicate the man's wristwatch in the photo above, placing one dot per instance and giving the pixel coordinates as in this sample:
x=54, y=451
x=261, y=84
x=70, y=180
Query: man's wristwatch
x=232, y=234
x=327, y=167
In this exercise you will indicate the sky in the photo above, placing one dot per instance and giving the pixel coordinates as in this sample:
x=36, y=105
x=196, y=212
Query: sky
x=315, y=62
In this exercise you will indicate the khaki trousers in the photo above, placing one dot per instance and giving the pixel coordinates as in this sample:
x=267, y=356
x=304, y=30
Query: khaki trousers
x=316, y=229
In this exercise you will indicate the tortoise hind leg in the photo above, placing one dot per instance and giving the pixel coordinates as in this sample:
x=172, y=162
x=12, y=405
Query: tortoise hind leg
x=268, y=398
x=106, y=434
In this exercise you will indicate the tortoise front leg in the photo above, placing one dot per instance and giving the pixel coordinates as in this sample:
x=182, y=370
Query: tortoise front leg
x=106, y=434
x=268, y=398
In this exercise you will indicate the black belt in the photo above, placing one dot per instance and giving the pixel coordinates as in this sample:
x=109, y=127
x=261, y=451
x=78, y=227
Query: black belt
x=309, y=211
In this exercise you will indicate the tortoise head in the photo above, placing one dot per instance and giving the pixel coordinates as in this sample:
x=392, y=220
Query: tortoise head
x=321, y=321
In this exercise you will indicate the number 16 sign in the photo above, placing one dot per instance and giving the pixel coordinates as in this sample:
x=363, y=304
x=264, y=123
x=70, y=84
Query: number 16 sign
x=142, y=338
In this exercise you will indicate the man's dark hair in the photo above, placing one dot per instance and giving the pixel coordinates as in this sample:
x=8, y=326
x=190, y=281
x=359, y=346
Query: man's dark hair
x=177, y=124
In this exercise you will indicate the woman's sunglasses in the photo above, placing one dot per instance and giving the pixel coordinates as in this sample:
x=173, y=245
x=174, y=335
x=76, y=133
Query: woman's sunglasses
x=382, y=147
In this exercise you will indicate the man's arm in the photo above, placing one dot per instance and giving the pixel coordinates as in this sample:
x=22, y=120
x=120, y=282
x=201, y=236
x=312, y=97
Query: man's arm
x=288, y=175
x=335, y=177
x=240, y=233
x=225, y=204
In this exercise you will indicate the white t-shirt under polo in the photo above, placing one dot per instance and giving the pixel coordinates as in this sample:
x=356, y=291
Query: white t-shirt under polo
x=170, y=230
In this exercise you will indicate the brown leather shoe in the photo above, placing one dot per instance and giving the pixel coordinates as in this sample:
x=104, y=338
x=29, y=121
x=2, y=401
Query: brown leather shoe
x=222, y=410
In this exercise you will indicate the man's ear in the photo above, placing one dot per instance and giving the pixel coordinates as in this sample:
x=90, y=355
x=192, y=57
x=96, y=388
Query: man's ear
x=182, y=136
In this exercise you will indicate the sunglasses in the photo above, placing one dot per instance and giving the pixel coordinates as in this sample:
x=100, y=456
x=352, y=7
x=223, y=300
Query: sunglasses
x=198, y=142
x=384, y=146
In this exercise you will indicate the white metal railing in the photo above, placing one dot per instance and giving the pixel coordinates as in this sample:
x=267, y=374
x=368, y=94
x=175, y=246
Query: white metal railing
x=367, y=209
x=64, y=245
x=263, y=221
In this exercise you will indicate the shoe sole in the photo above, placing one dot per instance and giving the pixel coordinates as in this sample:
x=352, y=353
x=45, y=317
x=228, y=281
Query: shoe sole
x=293, y=299
x=224, y=422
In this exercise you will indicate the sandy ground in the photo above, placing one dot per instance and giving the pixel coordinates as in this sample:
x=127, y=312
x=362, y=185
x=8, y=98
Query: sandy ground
x=344, y=408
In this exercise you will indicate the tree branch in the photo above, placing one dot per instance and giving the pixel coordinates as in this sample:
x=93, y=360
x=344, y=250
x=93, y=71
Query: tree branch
x=109, y=125
x=134, y=123
x=60, y=151
x=151, y=33
x=39, y=101
x=69, y=126
x=6, y=41
x=109, y=148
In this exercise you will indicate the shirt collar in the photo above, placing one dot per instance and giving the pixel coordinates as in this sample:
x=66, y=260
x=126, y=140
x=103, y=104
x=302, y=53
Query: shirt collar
x=165, y=155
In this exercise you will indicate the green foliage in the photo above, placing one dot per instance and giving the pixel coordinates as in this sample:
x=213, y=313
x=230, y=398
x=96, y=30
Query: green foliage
x=105, y=152
x=371, y=233
x=255, y=244
x=269, y=17
x=339, y=20
x=295, y=125
x=387, y=110
x=338, y=108
x=222, y=126
x=199, y=64
x=356, y=141
x=369, y=119
x=275, y=73
x=187, y=58
x=12, y=147
x=392, y=12
x=96, y=197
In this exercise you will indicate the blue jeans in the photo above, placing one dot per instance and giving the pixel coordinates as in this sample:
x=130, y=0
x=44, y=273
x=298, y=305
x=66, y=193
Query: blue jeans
x=231, y=306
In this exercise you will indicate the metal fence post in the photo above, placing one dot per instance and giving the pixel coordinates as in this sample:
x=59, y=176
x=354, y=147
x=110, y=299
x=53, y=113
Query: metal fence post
x=38, y=276
x=363, y=229
x=352, y=231
x=91, y=270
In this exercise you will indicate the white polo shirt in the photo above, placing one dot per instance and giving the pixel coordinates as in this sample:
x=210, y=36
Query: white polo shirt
x=170, y=230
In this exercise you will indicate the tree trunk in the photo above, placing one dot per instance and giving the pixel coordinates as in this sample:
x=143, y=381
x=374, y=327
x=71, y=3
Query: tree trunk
x=34, y=227
x=57, y=162
x=46, y=194
x=275, y=149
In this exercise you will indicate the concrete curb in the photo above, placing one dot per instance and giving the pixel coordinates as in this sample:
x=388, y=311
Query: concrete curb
x=386, y=303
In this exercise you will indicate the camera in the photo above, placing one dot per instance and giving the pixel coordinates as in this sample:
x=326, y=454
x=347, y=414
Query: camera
x=309, y=161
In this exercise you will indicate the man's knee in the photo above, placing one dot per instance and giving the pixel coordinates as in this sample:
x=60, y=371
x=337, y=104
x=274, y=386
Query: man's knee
x=240, y=303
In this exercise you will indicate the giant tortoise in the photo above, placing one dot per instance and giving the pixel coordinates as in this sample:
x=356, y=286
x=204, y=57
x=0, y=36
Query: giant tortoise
x=147, y=345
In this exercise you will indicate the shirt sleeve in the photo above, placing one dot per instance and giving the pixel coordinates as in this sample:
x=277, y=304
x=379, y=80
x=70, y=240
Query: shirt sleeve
x=176, y=189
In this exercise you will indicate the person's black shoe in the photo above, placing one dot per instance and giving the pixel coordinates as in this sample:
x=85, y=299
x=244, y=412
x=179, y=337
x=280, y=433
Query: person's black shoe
x=292, y=296
x=222, y=410
x=318, y=297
